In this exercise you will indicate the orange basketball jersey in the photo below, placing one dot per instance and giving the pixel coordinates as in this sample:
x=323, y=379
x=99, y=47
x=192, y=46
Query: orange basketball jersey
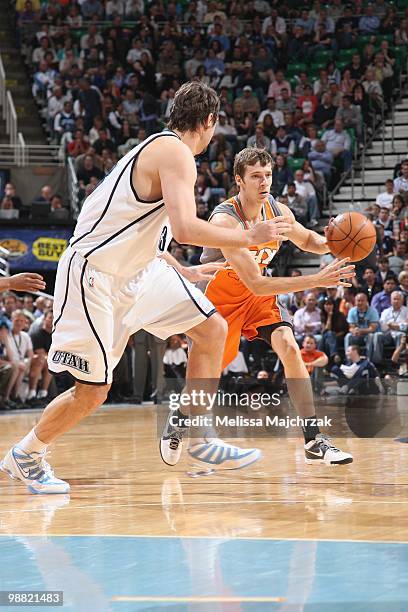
x=244, y=312
x=226, y=280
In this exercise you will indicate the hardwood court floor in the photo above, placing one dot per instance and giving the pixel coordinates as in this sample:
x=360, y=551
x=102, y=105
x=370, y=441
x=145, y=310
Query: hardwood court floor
x=119, y=486
x=135, y=535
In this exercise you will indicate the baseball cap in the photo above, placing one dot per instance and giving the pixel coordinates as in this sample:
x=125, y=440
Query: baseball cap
x=247, y=88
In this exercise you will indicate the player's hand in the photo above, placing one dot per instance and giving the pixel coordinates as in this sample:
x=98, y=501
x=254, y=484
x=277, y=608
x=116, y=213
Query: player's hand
x=203, y=272
x=278, y=229
x=336, y=274
x=26, y=281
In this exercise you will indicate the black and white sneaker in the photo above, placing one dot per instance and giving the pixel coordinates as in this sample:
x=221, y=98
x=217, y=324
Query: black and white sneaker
x=321, y=450
x=171, y=442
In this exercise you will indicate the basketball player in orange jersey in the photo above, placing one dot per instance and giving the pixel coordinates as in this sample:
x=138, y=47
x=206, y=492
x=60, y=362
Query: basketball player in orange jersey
x=249, y=301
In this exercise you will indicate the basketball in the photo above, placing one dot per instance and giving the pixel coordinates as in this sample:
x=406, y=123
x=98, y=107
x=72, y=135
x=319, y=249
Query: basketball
x=351, y=235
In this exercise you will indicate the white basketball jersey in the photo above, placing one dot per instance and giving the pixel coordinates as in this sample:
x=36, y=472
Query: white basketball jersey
x=117, y=231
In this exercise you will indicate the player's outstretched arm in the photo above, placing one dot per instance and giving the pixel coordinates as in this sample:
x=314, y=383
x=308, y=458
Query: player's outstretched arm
x=195, y=274
x=304, y=238
x=335, y=274
x=178, y=174
x=26, y=281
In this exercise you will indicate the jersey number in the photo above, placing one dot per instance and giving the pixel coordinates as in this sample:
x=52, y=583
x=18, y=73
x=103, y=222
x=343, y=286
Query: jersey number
x=163, y=239
x=264, y=256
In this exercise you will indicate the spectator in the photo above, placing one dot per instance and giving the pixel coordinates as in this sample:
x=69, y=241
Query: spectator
x=396, y=260
x=312, y=357
x=40, y=307
x=357, y=375
x=308, y=141
x=259, y=140
x=403, y=285
x=281, y=174
x=271, y=110
x=247, y=101
x=21, y=353
x=11, y=193
x=308, y=103
x=325, y=113
x=58, y=211
x=89, y=97
x=9, y=305
x=370, y=286
x=370, y=23
x=350, y=115
x=334, y=328
x=321, y=159
x=296, y=203
x=103, y=142
x=383, y=272
x=225, y=127
x=64, y=122
x=286, y=103
x=79, y=145
x=384, y=219
x=40, y=378
x=385, y=198
x=363, y=323
x=175, y=361
x=279, y=84
x=306, y=190
x=92, y=8
x=382, y=300
x=46, y=194
x=89, y=170
x=282, y=143
x=307, y=320
x=401, y=182
x=394, y=324
x=338, y=143
x=178, y=253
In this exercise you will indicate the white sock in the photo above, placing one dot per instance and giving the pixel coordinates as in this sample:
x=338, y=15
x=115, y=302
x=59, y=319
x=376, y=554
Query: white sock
x=31, y=394
x=42, y=393
x=31, y=444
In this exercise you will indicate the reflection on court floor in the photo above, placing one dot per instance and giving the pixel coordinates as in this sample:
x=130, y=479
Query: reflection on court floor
x=111, y=573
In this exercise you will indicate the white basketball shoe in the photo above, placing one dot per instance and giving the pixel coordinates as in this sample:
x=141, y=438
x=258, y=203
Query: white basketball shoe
x=33, y=470
x=220, y=455
x=321, y=450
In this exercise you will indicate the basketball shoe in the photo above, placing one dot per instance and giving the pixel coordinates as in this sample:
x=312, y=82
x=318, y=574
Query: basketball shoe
x=321, y=450
x=171, y=442
x=220, y=455
x=33, y=470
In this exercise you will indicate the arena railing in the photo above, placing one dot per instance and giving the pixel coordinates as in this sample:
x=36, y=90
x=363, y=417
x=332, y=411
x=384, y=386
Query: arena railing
x=8, y=108
x=73, y=188
x=22, y=154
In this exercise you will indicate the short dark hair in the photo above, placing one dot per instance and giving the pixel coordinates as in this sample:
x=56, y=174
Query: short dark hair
x=356, y=348
x=311, y=336
x=249, y=157
x=193, y=103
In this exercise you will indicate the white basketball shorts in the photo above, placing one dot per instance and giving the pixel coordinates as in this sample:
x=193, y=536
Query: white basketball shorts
x=95, y=313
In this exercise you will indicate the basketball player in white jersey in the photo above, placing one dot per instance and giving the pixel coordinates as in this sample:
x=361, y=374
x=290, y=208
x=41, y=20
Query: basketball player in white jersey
x=110, y=283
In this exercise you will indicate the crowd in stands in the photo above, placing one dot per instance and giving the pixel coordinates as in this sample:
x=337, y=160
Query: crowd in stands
x=301, y=82
x=47, y=206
